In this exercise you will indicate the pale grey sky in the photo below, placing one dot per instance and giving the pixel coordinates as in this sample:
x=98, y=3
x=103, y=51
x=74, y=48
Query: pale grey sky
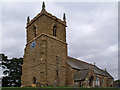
x=92, y=32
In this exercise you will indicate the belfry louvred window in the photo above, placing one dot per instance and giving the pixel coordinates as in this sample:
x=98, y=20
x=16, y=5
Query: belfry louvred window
x=34, y=30
x=54, y=30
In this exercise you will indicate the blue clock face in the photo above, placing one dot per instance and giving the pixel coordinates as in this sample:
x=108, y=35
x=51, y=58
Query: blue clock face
x=33, y=44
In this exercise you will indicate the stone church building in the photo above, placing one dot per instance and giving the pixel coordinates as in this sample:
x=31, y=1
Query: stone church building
x=46, y=62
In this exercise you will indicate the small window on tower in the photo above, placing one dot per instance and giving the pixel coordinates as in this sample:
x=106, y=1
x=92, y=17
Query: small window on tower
x=34, y=80
x=34, y=30
x=54, y=30
x=56, y=72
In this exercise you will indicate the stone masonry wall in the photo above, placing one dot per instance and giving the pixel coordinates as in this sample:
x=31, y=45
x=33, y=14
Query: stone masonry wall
x=48, y=55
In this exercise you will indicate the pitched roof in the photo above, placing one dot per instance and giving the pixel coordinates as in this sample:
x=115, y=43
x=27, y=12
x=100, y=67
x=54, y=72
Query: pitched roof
x=107, y=74
x=81, y=75
x=81, y=65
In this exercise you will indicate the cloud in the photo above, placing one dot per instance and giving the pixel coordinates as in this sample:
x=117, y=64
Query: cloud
x=93, y=37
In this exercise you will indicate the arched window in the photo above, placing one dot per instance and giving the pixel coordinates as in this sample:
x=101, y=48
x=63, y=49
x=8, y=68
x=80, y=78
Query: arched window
x=97, y=82
x=34, y=30
x=54, y=30
x=34, y=80
x=91, y=80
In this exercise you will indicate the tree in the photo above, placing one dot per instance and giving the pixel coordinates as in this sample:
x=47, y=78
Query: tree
x=117, y=83
x=12, y=71
x=5, y=65
x=15, y=71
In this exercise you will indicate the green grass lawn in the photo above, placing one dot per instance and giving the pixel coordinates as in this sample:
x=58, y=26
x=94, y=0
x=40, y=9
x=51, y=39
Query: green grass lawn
x=19, y=88
x=55, y=88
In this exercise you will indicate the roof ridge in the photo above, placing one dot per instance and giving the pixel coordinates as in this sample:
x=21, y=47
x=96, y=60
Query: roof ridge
x=101, y=69
x=81, y=61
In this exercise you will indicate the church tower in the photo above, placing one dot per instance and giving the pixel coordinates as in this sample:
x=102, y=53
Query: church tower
x=45, y=53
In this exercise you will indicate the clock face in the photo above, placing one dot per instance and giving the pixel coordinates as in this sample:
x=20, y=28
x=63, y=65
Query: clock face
x=33, y=44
